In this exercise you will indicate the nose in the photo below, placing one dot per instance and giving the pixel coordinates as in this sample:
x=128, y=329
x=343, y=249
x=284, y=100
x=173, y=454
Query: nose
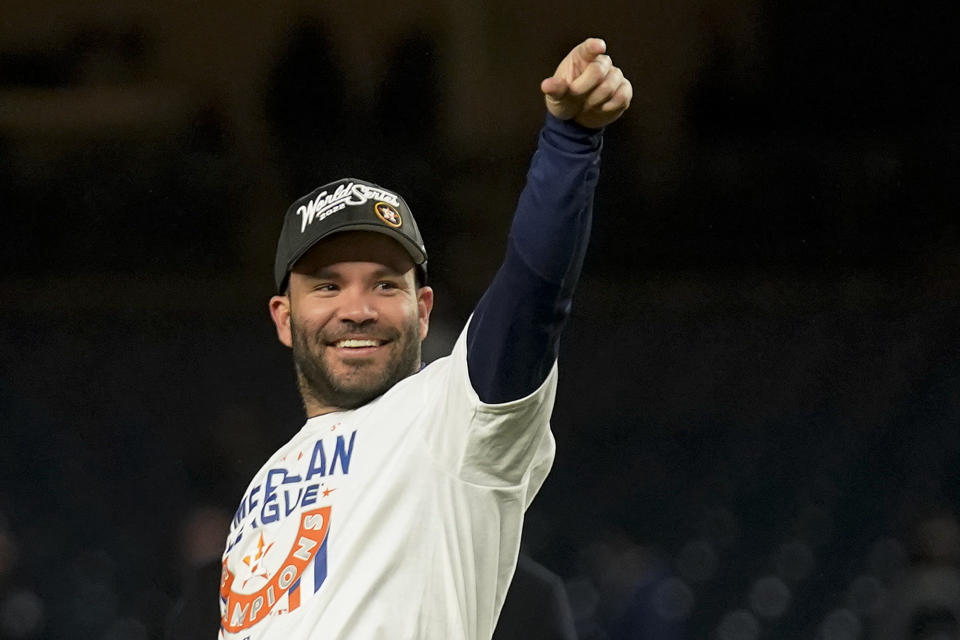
x=357, y=307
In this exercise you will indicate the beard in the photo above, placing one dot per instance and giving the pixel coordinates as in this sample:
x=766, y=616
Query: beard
x=360, y=382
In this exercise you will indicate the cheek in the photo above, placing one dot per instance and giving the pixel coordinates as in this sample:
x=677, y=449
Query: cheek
x=308, y=324
x=412, y=318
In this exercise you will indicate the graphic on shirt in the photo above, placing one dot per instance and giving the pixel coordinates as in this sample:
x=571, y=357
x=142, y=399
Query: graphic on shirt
x=294, y=484
x=277, y=549
x=254, y=561
x=273, y=579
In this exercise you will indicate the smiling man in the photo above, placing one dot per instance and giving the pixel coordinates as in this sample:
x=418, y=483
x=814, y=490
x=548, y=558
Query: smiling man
x=396, y=510
x=353, y=317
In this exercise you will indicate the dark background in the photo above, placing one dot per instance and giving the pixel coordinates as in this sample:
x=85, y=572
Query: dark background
x=759, y=403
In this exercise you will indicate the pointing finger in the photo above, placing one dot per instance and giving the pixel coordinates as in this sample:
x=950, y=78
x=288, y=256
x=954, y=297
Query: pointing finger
x=590, y=49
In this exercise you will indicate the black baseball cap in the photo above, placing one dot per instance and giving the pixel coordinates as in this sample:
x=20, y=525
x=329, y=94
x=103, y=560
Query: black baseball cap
x=346, y=205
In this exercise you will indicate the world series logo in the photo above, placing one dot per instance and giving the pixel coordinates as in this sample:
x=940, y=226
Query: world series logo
x=345, y=195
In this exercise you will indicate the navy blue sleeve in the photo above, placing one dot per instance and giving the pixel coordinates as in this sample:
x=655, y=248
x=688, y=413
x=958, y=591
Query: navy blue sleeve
x=514, y=335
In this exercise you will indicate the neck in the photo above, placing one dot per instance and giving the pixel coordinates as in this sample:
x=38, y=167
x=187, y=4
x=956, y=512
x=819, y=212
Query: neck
x=314, y=406
x=313, y=409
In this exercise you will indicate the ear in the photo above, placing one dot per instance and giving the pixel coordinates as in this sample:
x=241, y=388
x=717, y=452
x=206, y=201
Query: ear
x=280, y=312
x=424, y=307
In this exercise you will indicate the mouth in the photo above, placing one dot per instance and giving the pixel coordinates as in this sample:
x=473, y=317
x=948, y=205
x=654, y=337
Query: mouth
x=358, y=346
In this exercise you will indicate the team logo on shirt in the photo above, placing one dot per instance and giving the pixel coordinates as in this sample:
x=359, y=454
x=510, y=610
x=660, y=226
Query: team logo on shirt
x=388, y=214
x=277, y=548
x=264, y=582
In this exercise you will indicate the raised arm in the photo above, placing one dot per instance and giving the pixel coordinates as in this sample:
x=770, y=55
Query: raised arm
x=514, y=334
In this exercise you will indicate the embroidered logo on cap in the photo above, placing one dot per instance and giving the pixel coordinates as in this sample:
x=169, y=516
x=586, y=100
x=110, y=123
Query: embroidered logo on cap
x=345, y=195
x=388, y=214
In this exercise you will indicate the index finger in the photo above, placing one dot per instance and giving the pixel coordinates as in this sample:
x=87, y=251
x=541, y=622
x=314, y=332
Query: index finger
x=589, y=49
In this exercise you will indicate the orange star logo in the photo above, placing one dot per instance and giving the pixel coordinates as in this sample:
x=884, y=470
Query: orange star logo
x=254, y=561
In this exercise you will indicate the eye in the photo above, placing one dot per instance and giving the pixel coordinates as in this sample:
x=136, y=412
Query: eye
x=385, y=285
x=325, y=287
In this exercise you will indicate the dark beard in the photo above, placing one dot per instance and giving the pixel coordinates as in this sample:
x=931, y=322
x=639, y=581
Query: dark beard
x=317, y=381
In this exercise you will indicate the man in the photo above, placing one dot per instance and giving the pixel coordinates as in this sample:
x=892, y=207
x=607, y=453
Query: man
x=396, y=511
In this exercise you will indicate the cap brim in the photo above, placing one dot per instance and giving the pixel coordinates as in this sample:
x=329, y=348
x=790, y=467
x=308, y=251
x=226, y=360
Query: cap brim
x=415, y=252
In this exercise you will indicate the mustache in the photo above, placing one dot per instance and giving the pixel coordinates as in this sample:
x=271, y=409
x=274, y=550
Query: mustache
x=346, y=333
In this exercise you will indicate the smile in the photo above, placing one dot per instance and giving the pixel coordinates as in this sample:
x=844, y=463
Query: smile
x=357, y=343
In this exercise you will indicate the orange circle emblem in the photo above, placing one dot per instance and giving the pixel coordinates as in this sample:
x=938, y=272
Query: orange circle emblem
x=388, y=214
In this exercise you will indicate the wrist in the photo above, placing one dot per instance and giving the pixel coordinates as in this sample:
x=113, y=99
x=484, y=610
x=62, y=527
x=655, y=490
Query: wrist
x=570, y=135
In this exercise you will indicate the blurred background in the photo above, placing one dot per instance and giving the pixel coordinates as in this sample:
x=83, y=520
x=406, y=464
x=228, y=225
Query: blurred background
x=758, y=421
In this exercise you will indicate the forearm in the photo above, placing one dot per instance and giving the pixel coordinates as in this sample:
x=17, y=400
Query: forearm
x=515, y=330
x=551, y=227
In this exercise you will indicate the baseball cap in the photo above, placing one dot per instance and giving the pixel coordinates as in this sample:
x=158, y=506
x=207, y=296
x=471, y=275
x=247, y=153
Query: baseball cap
x=348, y=204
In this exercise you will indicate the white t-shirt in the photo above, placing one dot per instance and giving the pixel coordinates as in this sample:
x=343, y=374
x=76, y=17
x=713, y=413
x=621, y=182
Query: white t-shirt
x=397, y=520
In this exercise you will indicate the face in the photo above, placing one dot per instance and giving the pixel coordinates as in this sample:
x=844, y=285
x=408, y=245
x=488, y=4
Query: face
x=354, y=318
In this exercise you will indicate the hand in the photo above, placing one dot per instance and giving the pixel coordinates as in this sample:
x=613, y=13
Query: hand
x=587, y=87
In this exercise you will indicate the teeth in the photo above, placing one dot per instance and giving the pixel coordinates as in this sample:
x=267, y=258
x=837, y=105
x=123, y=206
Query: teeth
x=357, y=343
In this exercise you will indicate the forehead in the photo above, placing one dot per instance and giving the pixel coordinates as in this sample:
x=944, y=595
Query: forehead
x=355, y=246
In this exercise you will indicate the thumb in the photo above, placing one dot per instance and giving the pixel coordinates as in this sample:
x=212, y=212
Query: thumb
x=554, y=88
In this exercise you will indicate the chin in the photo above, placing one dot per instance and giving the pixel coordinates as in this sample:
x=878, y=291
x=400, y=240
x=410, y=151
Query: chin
x=355, y=390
